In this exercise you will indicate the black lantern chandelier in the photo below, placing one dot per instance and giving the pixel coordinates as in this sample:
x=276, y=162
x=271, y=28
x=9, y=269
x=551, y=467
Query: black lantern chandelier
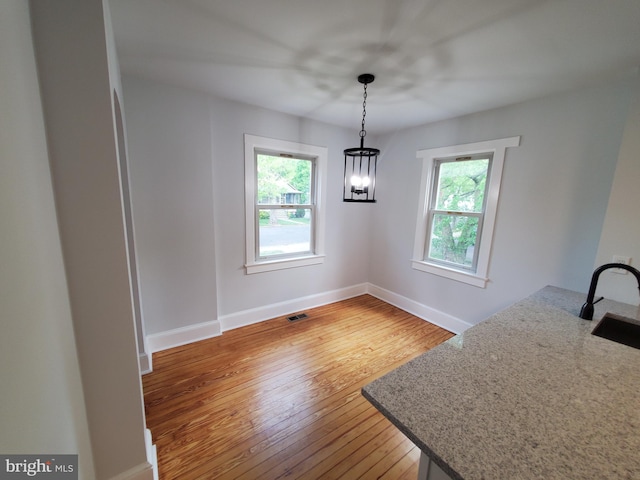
x=360, y=162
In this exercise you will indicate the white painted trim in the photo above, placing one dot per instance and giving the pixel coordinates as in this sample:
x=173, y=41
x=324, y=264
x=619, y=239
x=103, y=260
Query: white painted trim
x=431, y=315
x=152, y=453
x=498, y=148
x=458, y=275
x=145, y=363
x=144, y=471
x=255, y=315
x=321, y=154
x=270, y=266
x=181, y=336
x=202, y=331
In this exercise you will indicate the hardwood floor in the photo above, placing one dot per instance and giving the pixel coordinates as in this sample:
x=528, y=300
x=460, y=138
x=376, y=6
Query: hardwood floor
x=282, y=399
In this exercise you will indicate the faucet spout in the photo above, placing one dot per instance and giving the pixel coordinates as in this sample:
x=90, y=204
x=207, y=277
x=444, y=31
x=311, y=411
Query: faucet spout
x=586, y=312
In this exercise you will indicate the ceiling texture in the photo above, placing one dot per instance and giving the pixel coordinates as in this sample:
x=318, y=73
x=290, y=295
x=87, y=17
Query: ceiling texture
x=433, y=59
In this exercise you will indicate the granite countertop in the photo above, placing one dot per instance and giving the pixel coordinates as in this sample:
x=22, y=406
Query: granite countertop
x=527, y=394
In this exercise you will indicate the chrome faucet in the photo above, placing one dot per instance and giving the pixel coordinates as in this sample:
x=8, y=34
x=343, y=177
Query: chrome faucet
x=586, y=311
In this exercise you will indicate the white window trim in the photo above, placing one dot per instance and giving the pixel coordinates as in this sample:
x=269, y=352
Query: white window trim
x=262, y=144
x=479, y=278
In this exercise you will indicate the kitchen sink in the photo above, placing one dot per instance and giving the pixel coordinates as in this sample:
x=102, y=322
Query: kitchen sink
x=619, y=329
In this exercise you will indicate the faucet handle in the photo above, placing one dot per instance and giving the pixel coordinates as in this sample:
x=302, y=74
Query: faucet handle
x=586, y=312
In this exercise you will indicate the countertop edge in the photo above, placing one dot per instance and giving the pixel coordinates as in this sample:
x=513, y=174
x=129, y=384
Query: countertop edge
x=416, y=441
x=549, y=300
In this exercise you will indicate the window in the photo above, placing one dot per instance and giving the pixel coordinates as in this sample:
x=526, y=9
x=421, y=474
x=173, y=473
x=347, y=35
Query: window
x=285, y=197
x=284, y=214
x=458, y=203
x=456, y=210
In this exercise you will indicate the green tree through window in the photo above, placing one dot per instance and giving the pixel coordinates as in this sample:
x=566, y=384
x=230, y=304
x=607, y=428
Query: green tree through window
x=285, y=204
x=457, y=208
x=285, y=217
x=277, y=174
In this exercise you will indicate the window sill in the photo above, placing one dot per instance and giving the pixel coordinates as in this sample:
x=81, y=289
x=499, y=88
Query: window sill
x=457, y=275
x=268, y=266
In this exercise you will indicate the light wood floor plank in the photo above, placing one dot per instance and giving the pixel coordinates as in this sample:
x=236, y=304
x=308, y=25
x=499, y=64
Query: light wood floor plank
x=386, y=457
x=281, y=399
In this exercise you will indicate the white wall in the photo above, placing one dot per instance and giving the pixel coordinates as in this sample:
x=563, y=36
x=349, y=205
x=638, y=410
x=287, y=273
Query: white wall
x=42, y=407
x=621, y=231
x=71, y=43
x=554, y=196
x=172, y=197
x=555, y=191
x=347, y=234
x=187, y=173
x=115, y=79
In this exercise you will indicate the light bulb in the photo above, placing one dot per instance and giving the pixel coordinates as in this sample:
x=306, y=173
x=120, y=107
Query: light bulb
x=356, y=181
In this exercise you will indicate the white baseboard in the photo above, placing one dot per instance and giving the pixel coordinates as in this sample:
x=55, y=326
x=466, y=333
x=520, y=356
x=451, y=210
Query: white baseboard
x=145, y=363
x=255, y=315
x=144, y=471
x=152, y=453
x=431, y=315
x=181, y=336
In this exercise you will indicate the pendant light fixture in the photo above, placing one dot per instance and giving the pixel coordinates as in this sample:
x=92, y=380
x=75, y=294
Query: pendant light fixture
x=360, y=162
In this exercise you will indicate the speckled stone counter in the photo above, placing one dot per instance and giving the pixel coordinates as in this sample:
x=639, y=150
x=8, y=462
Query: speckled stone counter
x=527, y=394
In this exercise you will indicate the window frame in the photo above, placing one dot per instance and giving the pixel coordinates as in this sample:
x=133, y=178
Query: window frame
x=496, y=148
x=254, y=145
x=433, y=209
x=311, y=206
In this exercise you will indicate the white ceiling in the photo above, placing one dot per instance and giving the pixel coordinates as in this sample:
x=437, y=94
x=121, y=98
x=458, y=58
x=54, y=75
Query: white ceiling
x=433, y=59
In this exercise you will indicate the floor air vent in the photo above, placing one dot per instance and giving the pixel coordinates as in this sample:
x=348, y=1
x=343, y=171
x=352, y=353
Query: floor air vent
x=300, y=316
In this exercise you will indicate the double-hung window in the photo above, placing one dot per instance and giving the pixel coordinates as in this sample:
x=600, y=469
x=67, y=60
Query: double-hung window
x=458, y=204
x=456, y=210
x=283, y=199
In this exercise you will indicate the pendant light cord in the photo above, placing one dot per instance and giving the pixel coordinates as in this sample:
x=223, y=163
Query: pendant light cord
x=363, y=132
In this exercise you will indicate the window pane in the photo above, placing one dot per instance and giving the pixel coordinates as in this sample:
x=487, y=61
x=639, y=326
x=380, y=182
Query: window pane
x=461, y=185
x=283, y=180
x=284, y=231
x=453, y=239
